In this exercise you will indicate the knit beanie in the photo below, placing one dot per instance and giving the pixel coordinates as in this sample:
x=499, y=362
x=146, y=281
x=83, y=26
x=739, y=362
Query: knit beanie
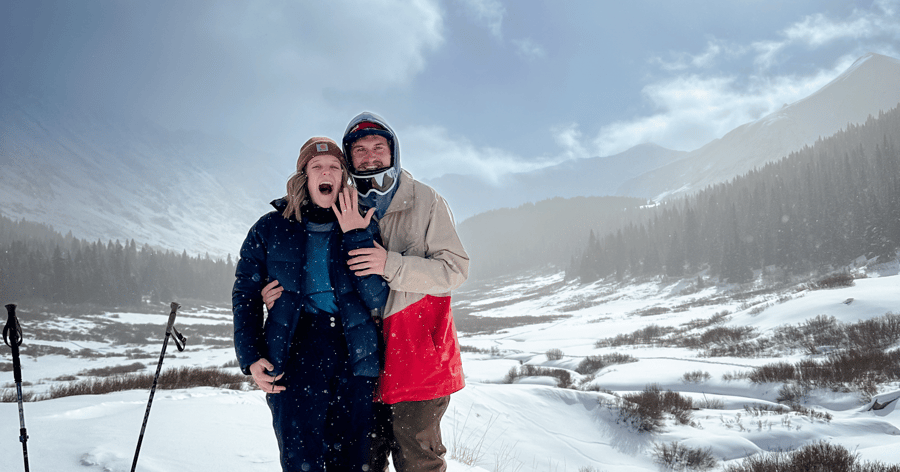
x=319, y=146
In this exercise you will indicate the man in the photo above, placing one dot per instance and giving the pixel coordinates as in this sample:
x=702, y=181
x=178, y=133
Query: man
x=422, y=261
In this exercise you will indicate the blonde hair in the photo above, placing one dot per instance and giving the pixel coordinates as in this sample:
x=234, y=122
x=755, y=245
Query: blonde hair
x=297, y=193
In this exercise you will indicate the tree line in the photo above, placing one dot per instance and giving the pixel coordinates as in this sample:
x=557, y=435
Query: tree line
x=816, y=209
x=38, y=263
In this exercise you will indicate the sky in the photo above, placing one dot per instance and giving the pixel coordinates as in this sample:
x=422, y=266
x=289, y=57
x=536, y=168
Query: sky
x=480, y=87
x=529, y=426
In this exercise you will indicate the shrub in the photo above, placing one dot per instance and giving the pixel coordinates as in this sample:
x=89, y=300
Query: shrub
x=653, y=311
x=563, y=377
x=711, y=403
x=592, y=364
x=777, y=372
x=715, y=319
x=113, y=370
x=731, y=376
x=12, y=396
x=822, y=330
x=816, y=457
x=792, y=393
x=554, y=354
x=647, y=335
x=875, y=333
x=467, y=446
x=476, y=350
x=725, y=335
x=834, y=280
x=645, y=411
x=755, y=348
x=851, y=369
x=678, y=458
x=180, y=377
x=696, y=376
x=866, y=335
x=760, y=410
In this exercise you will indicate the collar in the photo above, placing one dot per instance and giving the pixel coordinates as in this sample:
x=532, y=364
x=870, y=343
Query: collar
x=405, y=195
x=317, y=214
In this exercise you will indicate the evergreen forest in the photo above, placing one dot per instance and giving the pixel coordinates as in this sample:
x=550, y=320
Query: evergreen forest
x=39, y=264
x=817, y=209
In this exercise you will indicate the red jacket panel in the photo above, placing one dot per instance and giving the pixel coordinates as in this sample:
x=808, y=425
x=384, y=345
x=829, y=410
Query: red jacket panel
x=422, y=359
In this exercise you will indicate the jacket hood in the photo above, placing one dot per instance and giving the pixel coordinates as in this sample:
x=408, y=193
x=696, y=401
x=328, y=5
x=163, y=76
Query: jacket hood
x=372, y=117
x=380, y=202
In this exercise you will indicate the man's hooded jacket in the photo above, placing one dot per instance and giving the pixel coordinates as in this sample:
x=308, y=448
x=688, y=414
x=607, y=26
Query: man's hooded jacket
x=425, y=261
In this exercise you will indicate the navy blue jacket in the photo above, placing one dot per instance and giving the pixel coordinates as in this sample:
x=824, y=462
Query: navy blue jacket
x=275, y=249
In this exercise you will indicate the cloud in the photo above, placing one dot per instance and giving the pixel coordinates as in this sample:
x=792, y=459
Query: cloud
x=693, y=109
x=818, y=30
x=528, y=49
x=703, y=101
x=488, y=12
x=287, y=68
x=568, y=137
x=715, y=49
x=430, y=151
x=331, y=45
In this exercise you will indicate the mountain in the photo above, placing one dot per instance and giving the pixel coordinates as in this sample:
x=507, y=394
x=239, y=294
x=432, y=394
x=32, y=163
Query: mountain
x=535, y=236
x=114, y=176
x=125, y=178
x=596, y=176
x=870, y=85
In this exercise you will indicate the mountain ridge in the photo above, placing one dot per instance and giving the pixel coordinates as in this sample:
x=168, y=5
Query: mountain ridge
x=586, y=177
x=127, y=178
x=871, y=84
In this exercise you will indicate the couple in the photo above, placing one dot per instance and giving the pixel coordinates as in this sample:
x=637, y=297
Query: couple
x=344, y=395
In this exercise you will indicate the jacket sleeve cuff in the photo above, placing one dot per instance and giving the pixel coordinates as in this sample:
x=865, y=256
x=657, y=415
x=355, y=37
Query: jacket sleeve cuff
x=358, y=238
x=392, y=265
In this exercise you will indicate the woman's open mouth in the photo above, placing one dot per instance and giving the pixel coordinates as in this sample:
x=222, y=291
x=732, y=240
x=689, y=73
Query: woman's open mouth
x=326, y=188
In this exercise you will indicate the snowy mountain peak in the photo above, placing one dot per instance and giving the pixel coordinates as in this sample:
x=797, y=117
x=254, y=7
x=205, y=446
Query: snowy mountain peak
x=871, y=84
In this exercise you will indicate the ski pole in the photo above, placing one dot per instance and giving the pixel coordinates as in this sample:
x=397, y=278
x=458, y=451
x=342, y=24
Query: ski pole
x=179, y=342
x=12, y=336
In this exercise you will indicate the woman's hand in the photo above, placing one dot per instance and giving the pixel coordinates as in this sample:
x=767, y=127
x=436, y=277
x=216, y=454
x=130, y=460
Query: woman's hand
x=270, y=293
x=264, y=381
x=348, y=214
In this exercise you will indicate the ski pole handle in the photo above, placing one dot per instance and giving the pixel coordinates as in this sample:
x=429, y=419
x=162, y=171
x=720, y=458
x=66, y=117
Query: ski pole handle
x=12, y=336
x=175, y=306
x=171, y=331
x=12, y=328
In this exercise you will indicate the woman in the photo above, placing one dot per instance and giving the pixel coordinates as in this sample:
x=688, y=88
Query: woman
x=317, y=353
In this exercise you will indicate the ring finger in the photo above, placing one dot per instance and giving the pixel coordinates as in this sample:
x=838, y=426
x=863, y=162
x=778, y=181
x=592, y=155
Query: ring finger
x=349, y=200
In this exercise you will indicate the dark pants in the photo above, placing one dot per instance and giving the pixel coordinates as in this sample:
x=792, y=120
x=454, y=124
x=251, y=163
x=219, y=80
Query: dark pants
x=324, y=417
x=410, y=432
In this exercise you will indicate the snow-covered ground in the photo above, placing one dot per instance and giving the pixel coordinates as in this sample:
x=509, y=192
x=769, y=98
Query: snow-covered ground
x=531, y=425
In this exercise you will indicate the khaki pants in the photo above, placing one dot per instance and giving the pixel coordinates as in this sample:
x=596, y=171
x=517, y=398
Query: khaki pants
x=411, y=433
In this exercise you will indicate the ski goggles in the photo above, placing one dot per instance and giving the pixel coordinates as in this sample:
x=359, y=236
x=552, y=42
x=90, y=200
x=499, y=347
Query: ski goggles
x=380, y=183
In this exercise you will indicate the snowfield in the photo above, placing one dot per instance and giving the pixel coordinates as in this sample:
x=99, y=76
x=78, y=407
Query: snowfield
x=530, y=425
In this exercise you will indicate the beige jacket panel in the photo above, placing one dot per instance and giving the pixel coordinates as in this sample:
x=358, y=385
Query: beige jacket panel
x=425, y=254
